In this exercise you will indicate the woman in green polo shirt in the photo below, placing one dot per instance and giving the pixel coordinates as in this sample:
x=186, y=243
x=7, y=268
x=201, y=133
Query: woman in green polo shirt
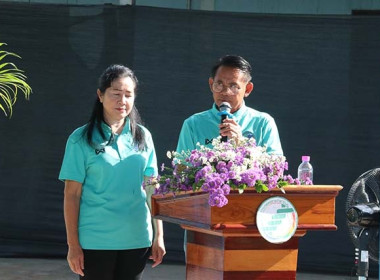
x=107, y=217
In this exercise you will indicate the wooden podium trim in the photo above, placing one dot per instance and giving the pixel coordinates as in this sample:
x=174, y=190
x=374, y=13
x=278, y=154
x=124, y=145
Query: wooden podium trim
x=303, y=226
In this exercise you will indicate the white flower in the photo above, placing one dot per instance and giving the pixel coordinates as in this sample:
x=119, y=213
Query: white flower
x=203, y=160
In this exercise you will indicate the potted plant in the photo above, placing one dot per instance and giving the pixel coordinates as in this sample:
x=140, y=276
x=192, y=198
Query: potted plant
x=12, y=82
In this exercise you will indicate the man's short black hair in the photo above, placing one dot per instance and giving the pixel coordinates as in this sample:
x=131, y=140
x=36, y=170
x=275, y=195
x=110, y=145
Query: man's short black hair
x=233, y=61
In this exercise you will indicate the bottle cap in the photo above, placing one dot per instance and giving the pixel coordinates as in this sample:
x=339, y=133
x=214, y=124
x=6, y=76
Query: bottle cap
x=305, y=158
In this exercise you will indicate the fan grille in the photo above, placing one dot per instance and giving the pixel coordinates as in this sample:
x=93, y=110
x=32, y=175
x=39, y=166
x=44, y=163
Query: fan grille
x=366, y=189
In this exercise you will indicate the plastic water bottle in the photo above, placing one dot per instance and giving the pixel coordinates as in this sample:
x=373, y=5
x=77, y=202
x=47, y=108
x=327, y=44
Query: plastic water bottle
x=305, y=171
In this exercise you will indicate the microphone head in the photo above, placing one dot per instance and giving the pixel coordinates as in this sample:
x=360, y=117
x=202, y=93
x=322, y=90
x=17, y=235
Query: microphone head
x=225, y=106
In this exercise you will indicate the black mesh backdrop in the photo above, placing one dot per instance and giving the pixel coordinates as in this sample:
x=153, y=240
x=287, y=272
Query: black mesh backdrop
x=317, y=76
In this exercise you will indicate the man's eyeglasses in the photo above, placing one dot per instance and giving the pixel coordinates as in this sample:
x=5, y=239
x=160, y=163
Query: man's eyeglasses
x=219, y=87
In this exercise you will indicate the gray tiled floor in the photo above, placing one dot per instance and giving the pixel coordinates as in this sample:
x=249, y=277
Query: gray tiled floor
x=57, y=269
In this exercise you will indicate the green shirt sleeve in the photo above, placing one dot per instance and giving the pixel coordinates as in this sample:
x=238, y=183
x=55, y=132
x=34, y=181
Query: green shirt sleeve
x=73, y=165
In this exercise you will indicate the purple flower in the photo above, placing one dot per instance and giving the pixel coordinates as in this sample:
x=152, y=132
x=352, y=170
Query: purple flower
x=308, y=181
x=184, y=187
x=289, y=179
x=220, y=164
x=231, y=174
x=212, y=184
x=239, y=159
x=226, y=189
x=268, y=169
x=210, y=155
x=206, y=187
x=272, y=182
x=219, y=181
x=217, y=199
x=223, y=170
x=285, y=165
x=224, y=177
x=229, y=165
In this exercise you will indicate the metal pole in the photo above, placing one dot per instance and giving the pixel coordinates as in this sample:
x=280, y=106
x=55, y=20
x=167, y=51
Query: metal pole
x=363, y=264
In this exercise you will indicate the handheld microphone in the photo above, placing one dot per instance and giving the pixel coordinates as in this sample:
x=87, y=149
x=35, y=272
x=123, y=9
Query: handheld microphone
x=224, y=110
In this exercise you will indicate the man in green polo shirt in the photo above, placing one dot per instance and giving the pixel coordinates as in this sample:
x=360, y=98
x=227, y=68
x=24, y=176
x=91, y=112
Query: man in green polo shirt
x=230, y=82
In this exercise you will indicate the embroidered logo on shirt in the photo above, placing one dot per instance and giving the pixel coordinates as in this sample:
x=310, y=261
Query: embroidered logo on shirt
x=208, y=141
x=102, y=146
x=248, y=134
x=98, y=151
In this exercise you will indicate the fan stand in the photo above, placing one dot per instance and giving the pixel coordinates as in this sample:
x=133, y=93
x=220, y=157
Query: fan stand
x=362, y=258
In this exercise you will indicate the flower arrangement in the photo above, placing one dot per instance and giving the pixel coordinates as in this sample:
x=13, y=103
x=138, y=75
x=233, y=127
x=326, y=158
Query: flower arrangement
x=236, y=164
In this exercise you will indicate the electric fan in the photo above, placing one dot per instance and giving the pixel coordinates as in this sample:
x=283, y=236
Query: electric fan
x=363, y=213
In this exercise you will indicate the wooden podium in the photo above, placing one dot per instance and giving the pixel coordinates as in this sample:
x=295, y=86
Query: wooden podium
x=224, y=243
